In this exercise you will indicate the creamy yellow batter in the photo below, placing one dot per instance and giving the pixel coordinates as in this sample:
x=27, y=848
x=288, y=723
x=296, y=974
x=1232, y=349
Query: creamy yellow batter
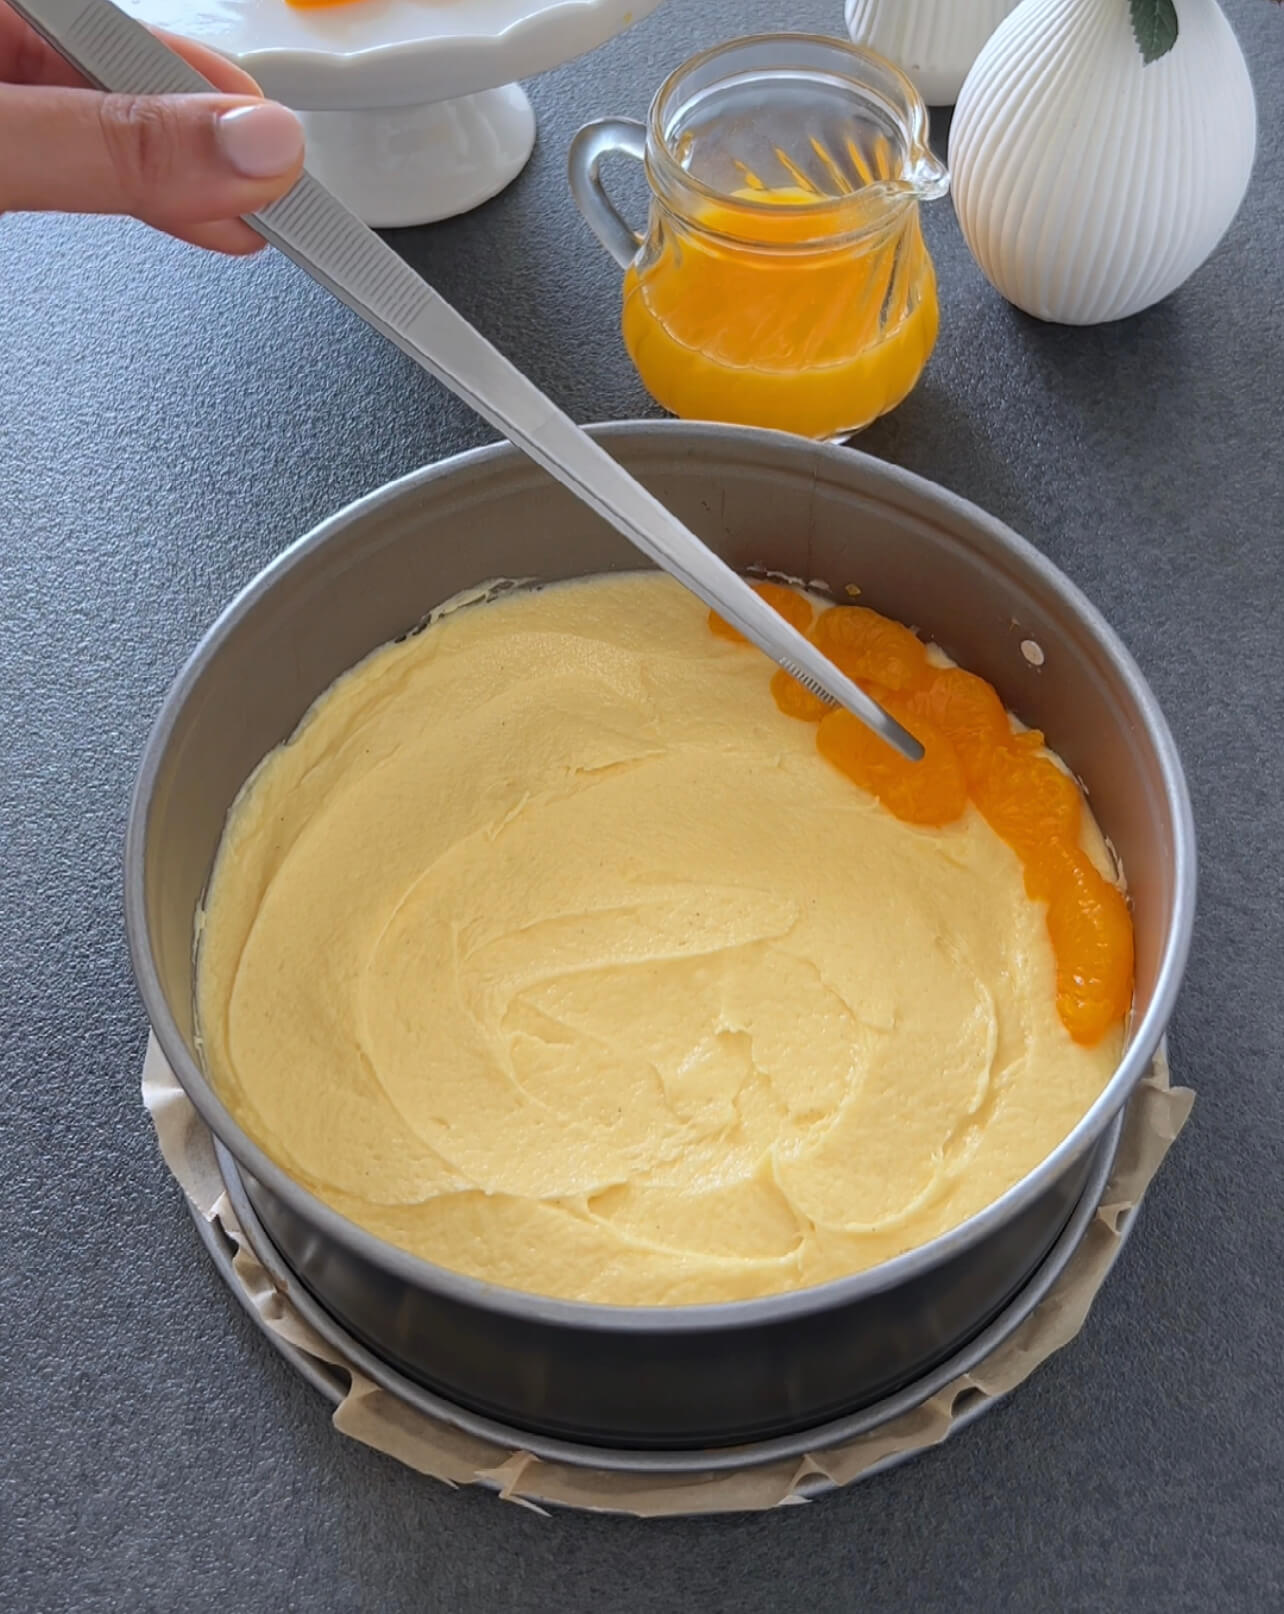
x=550, y=950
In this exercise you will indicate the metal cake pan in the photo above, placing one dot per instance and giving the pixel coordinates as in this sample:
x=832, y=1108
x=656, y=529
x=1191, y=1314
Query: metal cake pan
x=696, y=1376
x=649, y=1461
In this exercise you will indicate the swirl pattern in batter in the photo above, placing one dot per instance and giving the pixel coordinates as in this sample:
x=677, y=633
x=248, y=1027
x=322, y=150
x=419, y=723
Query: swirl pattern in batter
x=550, y=950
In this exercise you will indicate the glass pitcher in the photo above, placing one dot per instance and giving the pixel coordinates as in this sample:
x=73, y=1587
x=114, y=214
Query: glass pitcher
x=783, y=280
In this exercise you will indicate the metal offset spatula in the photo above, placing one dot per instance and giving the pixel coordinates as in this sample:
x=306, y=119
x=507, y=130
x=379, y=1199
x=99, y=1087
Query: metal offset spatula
x=313, y=227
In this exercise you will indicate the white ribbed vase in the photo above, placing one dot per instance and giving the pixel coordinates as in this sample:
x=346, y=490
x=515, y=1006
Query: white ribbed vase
x=934, y=42
x=1089, y=184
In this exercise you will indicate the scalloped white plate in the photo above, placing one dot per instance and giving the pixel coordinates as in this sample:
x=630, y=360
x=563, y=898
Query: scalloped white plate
x=411, y=107
x=398, y=51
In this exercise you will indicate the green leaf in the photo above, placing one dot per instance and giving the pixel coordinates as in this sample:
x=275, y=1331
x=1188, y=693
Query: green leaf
x=1155, y=24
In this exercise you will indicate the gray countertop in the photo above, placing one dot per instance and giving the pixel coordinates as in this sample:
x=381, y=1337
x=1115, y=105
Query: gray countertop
x=167, y=423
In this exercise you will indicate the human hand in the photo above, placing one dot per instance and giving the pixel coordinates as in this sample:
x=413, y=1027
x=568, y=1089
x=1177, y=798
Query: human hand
x=191, y=165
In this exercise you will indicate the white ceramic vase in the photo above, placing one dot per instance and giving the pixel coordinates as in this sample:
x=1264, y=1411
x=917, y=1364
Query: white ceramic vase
x=935, y=42
x=1088, y=183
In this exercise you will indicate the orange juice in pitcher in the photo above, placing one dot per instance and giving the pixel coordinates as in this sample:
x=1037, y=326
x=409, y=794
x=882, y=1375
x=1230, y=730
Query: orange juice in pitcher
x=783, y=280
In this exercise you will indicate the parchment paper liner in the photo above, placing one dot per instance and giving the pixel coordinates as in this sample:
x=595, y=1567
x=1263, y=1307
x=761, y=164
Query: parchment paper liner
x=1155, y=1115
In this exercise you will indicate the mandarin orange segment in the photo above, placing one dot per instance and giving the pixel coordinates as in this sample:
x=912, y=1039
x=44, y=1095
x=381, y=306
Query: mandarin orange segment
x=1027, y=799
x=1091, y=932
x=932, y=791
x=793, y=606
x=967, y=711
x=866, y=645
x=796, y=701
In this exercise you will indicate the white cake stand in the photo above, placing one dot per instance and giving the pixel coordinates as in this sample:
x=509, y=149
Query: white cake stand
x=411, y=109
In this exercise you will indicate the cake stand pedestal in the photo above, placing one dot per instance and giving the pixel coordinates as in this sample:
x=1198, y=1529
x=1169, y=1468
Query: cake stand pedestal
x=416, y=164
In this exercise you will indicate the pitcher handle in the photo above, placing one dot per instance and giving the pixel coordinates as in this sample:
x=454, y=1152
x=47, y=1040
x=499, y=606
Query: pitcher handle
x=584, y=163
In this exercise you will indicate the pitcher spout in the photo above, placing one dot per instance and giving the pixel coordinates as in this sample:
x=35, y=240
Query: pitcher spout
x=926, y=175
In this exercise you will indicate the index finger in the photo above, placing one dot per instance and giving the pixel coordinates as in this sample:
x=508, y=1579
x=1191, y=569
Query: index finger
x=25, y=58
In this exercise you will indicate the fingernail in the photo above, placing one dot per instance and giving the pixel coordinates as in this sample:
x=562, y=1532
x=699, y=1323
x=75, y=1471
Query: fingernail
x=262, y=140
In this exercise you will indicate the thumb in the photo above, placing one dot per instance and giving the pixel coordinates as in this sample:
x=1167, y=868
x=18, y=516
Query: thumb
x=174, y=161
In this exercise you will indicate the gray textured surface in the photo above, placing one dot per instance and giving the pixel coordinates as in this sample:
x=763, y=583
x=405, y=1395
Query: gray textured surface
x=167, y=423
